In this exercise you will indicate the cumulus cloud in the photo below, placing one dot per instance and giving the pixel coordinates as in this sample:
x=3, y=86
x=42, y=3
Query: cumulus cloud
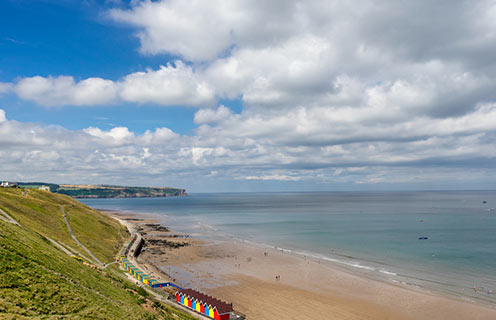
x=294, y=148
x=201, y=31
x=168, y=85
x=286, y=54
x=212, y=116
x=63, y=90
x=2, y=116
x=276, y=177
x=115, y=136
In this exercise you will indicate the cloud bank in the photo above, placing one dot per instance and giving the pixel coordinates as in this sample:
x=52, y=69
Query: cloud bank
x=170, y=85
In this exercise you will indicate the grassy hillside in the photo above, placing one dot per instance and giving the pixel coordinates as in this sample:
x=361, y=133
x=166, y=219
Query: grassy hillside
x=41, y=211
x=38, y=280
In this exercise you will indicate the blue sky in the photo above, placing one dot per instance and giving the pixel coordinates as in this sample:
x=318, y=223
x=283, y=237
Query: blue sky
x=249, y=96
x=75, y=38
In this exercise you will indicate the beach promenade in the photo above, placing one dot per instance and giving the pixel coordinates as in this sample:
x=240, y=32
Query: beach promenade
x=130, y=249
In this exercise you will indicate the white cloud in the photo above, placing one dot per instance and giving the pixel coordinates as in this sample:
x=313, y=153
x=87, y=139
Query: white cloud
x=117, y=136
x=289, y=54
x=3, y=118
x=160, y=135
x=168, y=85
x=299, y=146
x=212, y=116
x=276, y=177
x=63, y=90
x=197, y=30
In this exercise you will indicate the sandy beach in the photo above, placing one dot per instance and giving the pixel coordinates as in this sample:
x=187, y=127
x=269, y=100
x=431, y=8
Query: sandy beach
x=265, y=283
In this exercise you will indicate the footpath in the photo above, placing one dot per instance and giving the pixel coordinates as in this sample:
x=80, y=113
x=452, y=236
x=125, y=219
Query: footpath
x=95, y=259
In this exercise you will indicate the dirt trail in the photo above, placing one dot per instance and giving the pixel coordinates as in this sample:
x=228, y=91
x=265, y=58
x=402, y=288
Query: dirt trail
x=95, y=259
x=61, y=247
x=5, y=217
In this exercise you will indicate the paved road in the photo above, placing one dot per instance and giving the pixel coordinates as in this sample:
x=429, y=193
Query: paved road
x=95, y=259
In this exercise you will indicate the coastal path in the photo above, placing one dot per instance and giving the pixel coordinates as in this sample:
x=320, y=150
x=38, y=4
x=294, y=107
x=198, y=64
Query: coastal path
x=5, y=217
x=108, y=264
x=95, y=259
x=61, y=247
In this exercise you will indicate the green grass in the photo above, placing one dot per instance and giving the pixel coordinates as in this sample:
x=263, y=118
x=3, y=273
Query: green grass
x=41, y=211
x=38, y=281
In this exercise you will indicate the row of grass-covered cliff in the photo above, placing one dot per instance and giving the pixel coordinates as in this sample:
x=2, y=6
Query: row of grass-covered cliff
x=105, y=191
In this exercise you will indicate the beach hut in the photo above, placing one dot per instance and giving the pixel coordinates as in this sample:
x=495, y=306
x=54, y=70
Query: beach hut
x=205, y=310
x=152, y=282
x=145, y=278
x=205, y=304
x=216, y=314
x=134, y=271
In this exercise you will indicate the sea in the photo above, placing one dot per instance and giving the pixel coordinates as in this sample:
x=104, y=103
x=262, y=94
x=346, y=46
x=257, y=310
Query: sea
x=440, y=241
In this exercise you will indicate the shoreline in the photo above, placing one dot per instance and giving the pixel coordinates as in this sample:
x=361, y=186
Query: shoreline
x=245, y=275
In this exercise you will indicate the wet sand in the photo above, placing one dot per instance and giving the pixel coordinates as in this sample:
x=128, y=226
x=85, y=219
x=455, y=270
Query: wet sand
x=307, y=289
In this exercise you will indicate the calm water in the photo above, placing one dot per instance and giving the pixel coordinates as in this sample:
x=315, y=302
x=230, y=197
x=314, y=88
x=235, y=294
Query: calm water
x=372, y=233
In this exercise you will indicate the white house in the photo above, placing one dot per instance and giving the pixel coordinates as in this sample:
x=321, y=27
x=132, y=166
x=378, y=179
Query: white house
x=7, y=184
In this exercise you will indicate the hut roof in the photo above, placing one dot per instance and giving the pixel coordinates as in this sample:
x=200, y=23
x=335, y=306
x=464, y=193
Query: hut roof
x=221, y=306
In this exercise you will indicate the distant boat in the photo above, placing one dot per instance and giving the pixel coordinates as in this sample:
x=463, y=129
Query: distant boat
x=423, y=238
x=484, y=201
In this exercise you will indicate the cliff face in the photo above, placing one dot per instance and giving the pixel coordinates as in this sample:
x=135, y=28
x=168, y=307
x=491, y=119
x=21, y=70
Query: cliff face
x=152, y=194
x=107, y=191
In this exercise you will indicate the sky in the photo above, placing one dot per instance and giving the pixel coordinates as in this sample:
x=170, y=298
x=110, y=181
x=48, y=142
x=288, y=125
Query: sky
x=238, y=95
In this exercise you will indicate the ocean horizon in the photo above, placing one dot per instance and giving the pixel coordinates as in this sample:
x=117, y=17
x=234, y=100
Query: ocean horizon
x=438, y=240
